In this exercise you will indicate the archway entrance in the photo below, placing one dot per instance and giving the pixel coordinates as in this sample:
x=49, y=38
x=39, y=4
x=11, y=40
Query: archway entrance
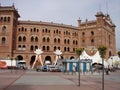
x=47, y=60
x=32, y=60
x=71, y=57
x=19, y=57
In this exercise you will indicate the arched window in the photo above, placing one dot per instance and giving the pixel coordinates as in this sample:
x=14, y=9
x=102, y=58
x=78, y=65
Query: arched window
x=46, y=30
x=34, y=29
x=48, y=48
x=4, y=19
x=43, y=48
x=36, y=39
x=22, y=29
x=48, y=40
x=83, y=33
x=64, y=48
x=43, y=30
x=92, y=33
x=65, y=41
x=68, y=49
x=54, y=48
x=1, y=19
x=3, y=40
x=92, y=42
x=19, y=38
x=31, y=48
x=8, y=19
x=68, y=41
x=44, y=39
x=24, y=47
x=24, y=39
x=4, y=29
x=83, y=42
x=76, y=42
x=19, y=47
x=59, y=48
x=58, y=40
x=32, y=39
x=55, y=40
x=36, y=47
x=73, y=42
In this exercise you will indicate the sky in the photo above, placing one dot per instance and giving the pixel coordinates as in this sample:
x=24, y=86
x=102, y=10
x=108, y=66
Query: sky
x=67, y=11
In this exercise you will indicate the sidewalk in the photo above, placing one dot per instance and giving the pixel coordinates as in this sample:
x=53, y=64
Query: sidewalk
x=32, y=80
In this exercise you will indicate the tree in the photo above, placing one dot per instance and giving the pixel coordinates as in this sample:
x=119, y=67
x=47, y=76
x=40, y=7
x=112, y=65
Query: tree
x=102, y=51
x=118, y=54
x=79, y=52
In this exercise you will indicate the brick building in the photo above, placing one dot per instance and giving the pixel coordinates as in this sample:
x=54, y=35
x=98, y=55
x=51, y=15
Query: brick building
x=21, y=38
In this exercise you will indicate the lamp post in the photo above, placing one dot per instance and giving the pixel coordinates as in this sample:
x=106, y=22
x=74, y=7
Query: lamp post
x=79, y=52
x=11, y=64
x=16, y=64
x=102, y=51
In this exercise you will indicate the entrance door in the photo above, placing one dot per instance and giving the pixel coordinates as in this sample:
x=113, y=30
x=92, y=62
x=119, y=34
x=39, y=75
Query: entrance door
x=47, y=60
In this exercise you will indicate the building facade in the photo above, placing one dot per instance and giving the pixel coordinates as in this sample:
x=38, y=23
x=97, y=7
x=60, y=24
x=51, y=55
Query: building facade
x=21, y=38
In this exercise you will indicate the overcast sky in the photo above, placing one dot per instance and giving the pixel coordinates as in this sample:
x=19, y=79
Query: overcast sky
x=67, y=11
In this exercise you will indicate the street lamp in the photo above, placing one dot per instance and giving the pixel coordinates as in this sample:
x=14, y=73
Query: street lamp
x=11, y=63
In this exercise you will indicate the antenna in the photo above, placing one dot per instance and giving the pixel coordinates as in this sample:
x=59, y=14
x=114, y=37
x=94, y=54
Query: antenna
x=99, y=7
x=106, y=7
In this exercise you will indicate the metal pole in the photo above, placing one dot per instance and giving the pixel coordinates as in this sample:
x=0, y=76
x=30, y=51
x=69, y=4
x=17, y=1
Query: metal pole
x=103, y=74
x=79, y=72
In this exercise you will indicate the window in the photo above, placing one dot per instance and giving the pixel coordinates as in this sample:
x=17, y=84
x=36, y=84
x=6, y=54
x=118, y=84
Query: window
x=43, y=47
x=31, y=48
x=36, y=39
x=48, y=40
x=83, y=33
x=54, y=48
x=58, y=40
x=83, y=42
x=4, y=29
x=24, y=47
x=44, y=39
x=36, y=47
x=48, y=48
x=8, y=19
x=92, y=33
x=20, y=39
x=55, y=40
x=4, y=19
x=32, y=39
x=65, y=41
x=3, y=40
x=24, y=39
x=92, y=42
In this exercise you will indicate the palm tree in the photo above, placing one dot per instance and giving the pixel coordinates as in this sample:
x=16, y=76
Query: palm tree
x=79, y=52
x=102, y=51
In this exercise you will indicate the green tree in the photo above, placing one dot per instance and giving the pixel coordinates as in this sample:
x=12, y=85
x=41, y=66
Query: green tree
x=79, y=52
x=102, y=51
x=118, y=54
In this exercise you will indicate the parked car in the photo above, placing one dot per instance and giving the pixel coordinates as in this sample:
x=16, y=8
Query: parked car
x=38, y=68
x=45, y=68
x=54, y=69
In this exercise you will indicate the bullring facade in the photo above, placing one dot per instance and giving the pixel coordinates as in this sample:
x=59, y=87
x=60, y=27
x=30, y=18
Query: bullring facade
x=21, y=38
